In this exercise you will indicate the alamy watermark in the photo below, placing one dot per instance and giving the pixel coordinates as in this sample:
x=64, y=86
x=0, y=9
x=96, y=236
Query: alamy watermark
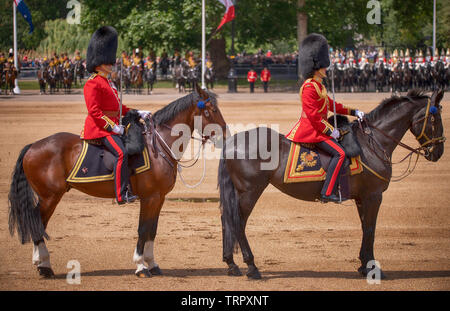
x=374, y=15
x=74, y=15
x=374, y=275
x=73, y=277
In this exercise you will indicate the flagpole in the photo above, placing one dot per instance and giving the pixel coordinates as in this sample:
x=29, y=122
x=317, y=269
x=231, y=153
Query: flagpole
x=434, y=27
x=203, y=44
x=16, y=82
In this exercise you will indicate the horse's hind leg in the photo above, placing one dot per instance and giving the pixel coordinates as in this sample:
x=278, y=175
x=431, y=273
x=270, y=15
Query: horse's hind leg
x=41, y=256
x=247, y=201
x=368, y=211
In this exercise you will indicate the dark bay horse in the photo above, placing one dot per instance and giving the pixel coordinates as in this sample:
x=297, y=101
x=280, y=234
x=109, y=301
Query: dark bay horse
x=150, y=78
x=43, y=167
x=67, y=79
x=243, y=178
x=364, y=78
x=380, y=77
x=209, y=78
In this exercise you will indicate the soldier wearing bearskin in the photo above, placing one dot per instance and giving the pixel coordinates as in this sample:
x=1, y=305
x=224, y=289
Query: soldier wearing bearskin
x=103, y=105
x=313, y=126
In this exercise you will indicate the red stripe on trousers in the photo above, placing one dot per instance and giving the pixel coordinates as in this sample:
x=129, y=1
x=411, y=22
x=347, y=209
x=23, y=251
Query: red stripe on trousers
x=338, y=166
x=118, y=167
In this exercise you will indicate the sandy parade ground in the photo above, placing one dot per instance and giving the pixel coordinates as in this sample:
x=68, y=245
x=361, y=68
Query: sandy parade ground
x=297, y=245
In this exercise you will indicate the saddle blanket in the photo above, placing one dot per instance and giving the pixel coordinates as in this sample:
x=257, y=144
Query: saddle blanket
x=95, y=164
x=304, y=164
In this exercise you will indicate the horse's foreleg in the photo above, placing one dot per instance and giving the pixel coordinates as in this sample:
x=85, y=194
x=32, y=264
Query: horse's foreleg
x=148, y=222
x=368, y=212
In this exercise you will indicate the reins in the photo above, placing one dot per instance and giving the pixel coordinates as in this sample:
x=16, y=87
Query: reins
x=423, y=150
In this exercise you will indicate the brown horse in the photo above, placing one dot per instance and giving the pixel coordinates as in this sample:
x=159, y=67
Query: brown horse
x=43, y=167
x=10, y=78
x=242, y=180
x=137, y=79
x=67, y=79
x=42, y=76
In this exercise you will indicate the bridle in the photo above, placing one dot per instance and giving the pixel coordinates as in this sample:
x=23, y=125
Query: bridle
x=150, y=130
x=153, y=134
x=425, y=148
x=429, y=114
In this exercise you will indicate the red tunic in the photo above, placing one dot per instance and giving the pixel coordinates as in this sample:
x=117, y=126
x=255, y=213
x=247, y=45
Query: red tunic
x=313, y=126
x=265, y=75
x=252, y=76
x=102, y=102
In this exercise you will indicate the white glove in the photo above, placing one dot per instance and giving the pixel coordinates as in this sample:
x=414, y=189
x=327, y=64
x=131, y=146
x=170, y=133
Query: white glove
x=335, y=134
x=359, y=114
x=118, y=129
x=144, y=113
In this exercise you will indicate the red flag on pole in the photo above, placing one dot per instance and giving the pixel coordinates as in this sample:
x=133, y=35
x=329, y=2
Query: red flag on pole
x=229, y=13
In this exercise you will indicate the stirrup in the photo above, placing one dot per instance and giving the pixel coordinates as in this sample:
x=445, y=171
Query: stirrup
x=129, y=198
x=330, y=198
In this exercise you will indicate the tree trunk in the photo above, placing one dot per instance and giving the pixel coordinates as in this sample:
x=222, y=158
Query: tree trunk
x=302, y=26
x=219, y=58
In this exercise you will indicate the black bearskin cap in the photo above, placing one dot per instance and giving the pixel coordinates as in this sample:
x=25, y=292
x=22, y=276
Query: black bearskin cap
x=313, y=55
x=102, y=48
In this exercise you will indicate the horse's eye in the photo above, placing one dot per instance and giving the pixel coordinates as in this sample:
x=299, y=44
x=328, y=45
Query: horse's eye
x=206, y=113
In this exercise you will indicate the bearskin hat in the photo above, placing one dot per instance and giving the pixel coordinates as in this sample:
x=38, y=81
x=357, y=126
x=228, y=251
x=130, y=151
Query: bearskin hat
x=102, y=48
x=313, y=55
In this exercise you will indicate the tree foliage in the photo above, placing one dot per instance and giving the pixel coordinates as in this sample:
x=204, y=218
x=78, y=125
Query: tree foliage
x=176, y=24
x=41, y=11
x=63, y=37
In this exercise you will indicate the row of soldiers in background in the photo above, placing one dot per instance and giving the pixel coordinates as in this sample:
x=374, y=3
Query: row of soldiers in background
x=60, y=72
x=8, y=73
x=139, y=70
x=396, y=73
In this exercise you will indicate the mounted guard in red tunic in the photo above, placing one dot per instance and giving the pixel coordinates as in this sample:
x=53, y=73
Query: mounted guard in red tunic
x=313, y=126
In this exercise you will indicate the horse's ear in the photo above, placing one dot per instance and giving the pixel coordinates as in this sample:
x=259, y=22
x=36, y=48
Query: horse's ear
x=437, y=96
x=200, y=91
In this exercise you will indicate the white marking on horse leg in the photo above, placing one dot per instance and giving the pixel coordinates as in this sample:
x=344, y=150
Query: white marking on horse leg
x=149, y=256
x=139, y=261
x=41, y=256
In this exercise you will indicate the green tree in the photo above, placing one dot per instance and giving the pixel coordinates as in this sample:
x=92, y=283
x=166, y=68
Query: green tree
x=41, y=11
x=63, y=37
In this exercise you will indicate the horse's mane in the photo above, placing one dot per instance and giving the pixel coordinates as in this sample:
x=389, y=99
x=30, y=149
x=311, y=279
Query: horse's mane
x=413, y=94
x=179, y=105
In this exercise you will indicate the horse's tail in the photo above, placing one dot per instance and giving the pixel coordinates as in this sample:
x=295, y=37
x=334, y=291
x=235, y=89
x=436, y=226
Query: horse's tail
x=24, y=214
x=229, y=205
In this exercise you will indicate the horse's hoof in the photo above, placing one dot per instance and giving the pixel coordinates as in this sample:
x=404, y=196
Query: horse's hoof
x=234, y=271
x=253, y=273
x=156, y=271
x=46, y=273
x=144, y=273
